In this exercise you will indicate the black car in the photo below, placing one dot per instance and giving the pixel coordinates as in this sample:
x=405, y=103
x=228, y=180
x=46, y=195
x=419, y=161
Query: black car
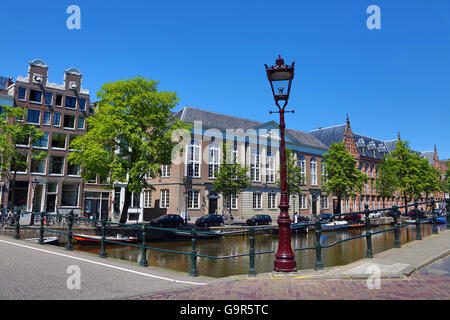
x=168, y=221
x=209, y=220
x=259, y=219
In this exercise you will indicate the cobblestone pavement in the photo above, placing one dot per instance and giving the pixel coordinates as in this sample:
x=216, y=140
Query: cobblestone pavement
x=430, y=283
x=418, y=286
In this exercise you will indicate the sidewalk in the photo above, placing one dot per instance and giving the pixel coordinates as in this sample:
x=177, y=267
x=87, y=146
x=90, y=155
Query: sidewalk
x=398, y=279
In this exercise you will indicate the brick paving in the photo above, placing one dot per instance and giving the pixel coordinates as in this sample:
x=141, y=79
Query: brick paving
x=419, y=286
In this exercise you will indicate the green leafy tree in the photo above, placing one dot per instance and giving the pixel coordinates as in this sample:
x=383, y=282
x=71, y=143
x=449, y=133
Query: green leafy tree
x=343, y=178
x=385, y=182
x=430, y=182
x=294, y=177
x=129, y=136
x=407, y=167
x=445, y=182
x=232, y=178
x=13, y=133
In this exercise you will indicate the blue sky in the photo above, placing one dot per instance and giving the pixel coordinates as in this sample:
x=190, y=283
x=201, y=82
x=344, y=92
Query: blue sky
x=212, y=53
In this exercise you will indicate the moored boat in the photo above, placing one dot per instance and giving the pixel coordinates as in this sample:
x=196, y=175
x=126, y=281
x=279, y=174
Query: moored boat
x=441, y=219
x=95, y=240
x=47, y=240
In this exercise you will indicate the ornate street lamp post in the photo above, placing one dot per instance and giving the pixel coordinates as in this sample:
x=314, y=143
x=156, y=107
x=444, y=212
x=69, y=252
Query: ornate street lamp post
x=280, y=77
x=34, y=184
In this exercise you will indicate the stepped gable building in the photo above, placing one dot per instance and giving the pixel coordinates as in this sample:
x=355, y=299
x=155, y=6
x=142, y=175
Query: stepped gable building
x=188, y=185
x=367, y=151
x=60, y=110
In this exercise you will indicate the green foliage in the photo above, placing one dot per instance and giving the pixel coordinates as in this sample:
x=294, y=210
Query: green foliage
x=294, y=177
x=232, y=178
x=129, y=135
x=386, y=182
x=445, y=182
x=343, y=178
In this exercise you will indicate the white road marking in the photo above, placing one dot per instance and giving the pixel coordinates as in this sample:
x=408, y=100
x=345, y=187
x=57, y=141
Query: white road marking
x=103, y=264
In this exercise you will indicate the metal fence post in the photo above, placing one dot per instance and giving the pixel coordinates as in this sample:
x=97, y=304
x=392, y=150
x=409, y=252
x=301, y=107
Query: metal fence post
x=418, y=233
x=102, y=253
x=318, y=265
x=41, y=229
x=17, y=233
x=69, y=232
x=369, y=253
x=397, y=229
x=252, y=271
x=433, y=212
x=448, y=213
x=193, y=272
x=143, y=262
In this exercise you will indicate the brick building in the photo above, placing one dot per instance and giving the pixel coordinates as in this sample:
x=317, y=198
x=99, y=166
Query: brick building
x=60, y=110
x=188, y=184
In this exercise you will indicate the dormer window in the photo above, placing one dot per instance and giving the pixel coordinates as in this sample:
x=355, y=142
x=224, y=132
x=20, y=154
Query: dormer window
x=382, y=149
x=371, y=146
x=360, y=143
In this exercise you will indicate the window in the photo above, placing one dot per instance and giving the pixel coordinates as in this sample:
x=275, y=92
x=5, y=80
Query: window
x=302, y=166
x=58, y=140
x=164, y=202
x=43, y=142
x=69, y=121
x=69, y=195
x=303, y=201
x=324, y=173
x=147, y=198
x=58, y=100
x=213, y=161
x=324, y=202
x=193, y=199
x=38, y=166
x=193, y=163
x=35, y=96
x=21, y=94
x=23, y=141
x=80, y=123
x=270, y=166
x=56, y=165
x=272, y=200
x=57, y=119
x=33, y=116
x=82, y=104
x=257, y=200
x=313, y=165
x=48, y=98
x=255, y=166
x=165, y=171
x=71, y=102
x=47, y=118
x=73, y=169
x=135, y=200
x=233, y=201
x=21, y=163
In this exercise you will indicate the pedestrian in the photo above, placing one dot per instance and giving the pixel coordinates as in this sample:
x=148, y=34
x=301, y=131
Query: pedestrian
x=296, y=217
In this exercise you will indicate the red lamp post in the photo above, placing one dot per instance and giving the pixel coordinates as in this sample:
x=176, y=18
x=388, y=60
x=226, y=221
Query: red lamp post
x=280, y=77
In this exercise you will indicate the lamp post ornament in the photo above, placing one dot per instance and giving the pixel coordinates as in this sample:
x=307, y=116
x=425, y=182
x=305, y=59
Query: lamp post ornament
x=280, y=77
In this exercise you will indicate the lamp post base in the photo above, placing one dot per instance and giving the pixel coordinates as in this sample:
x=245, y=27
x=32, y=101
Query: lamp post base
x=284, y=265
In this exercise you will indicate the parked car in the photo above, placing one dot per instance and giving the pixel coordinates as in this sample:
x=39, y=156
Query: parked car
x=412, y=214
x=209, y=220
x=374, y=215
x=352, y=217
x=325, y=216
x=168, y=221
x=259, y=219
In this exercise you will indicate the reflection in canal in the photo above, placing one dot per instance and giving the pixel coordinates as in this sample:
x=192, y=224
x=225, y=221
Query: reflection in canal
x=339, y=254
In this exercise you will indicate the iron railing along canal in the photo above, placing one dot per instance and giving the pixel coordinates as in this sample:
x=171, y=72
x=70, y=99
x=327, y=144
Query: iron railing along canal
x=70, y=220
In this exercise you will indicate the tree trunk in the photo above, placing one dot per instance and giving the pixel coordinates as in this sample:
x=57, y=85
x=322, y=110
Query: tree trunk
x=126, y=205
x=338, y=209
x=405, y=199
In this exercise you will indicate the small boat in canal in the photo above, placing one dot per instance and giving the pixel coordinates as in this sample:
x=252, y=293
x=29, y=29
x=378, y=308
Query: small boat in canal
x=47, y=240
x=441, y=219
x=96, y=240
x=334, y=225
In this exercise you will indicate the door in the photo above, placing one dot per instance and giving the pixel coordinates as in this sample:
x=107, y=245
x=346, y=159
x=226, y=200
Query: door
x=212, y=205
x=314, y=205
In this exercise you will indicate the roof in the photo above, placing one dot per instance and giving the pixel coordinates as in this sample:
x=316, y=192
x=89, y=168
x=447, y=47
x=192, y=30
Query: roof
x=429, y=155
x=223, y=122
x=366, y=146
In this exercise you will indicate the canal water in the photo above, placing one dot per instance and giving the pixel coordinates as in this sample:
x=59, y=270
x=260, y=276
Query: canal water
x=339, y=254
